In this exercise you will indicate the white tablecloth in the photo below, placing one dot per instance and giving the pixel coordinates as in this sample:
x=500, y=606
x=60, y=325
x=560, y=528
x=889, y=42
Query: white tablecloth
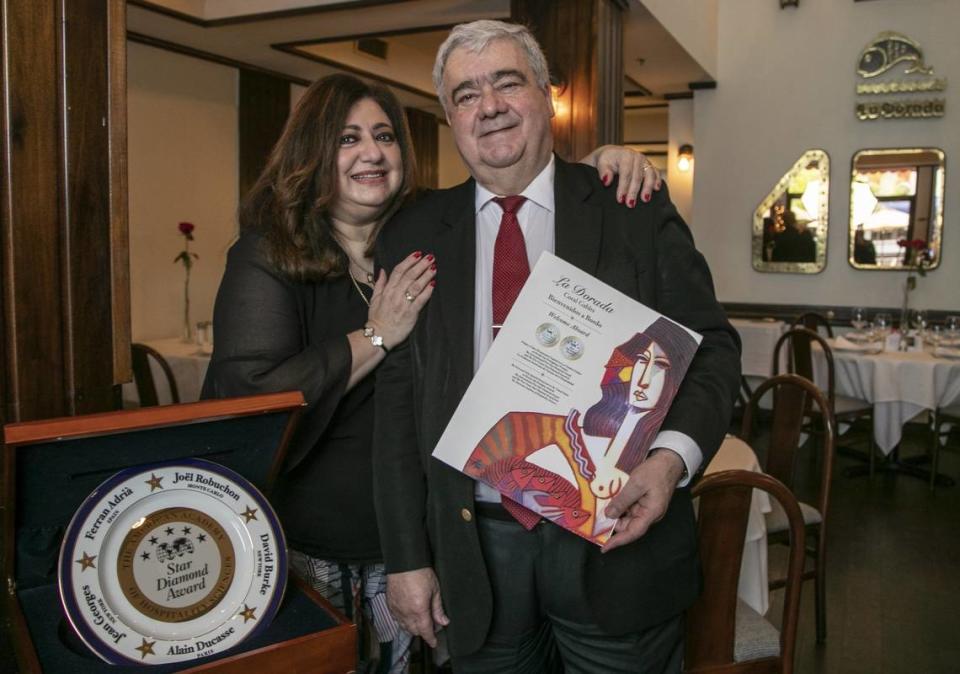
x=189, y=365
x=900, y=386
x=735, y=454
x=758, y=336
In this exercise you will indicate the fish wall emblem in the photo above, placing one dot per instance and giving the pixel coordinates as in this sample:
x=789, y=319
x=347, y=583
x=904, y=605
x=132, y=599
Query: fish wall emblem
x=887, y=50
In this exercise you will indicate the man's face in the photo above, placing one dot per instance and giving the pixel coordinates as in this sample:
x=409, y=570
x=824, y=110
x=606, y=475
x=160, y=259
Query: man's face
x=499, y=116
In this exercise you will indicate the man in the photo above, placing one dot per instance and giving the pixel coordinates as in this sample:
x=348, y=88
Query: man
x=522, y=600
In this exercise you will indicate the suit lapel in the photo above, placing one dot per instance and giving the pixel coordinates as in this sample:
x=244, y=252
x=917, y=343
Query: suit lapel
x=456, y=253
x=578, y=224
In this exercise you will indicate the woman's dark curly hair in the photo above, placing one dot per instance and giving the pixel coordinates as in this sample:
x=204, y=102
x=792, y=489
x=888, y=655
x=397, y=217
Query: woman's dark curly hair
x=290, y=203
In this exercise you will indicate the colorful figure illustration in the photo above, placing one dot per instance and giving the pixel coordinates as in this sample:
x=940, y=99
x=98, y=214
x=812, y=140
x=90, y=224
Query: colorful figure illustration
x=567, y=472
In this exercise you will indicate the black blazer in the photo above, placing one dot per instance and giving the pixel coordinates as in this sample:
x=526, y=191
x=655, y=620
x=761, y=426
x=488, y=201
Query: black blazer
x=425, y=508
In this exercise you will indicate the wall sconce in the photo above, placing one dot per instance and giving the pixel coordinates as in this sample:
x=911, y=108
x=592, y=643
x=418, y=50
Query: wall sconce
x=558, y=88
x=789, y=3
x=685, y=157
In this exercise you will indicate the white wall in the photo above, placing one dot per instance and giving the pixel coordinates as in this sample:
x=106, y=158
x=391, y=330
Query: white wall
x=681, y=133
x=182, y=152
x=786, y=83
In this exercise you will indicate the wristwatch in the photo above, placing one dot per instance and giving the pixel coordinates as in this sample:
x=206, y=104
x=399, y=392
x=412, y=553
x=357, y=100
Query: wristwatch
x=370, y=333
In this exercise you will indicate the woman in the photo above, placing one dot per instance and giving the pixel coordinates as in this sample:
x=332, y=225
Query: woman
x=592, y=463
x=299, y=308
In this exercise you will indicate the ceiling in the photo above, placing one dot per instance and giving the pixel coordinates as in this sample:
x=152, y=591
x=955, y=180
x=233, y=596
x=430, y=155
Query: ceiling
x=307, y=39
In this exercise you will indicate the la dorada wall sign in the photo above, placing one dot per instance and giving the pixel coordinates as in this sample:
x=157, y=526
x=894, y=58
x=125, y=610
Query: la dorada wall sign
x=892, y=66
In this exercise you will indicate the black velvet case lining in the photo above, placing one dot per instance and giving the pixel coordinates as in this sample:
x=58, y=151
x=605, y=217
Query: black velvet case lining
x=53, y=479
x=298, y=616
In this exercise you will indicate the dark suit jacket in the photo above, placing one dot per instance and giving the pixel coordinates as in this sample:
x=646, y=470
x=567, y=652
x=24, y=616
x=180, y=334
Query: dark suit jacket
x=425, y=508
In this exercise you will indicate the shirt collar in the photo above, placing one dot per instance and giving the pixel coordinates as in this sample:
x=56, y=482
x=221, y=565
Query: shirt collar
x=539, y=191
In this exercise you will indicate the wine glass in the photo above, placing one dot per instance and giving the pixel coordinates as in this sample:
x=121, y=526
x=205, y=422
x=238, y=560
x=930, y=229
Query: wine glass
x=918, y=320
x=882, y=325
x=858, y=318
x=952, y=327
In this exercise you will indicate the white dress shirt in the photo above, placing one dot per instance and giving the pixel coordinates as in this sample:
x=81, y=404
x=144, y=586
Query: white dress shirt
x=536, y=217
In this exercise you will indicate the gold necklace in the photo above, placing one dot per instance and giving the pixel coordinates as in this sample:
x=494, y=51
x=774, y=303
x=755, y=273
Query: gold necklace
x=357, y=286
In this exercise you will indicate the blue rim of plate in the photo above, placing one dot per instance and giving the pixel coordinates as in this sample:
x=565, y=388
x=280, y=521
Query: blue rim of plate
x=97, y=644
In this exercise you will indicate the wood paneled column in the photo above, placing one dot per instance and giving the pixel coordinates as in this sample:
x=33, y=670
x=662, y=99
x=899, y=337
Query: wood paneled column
x=64, y=277
x=583, y=42
x=425, y=135
x=264, y=105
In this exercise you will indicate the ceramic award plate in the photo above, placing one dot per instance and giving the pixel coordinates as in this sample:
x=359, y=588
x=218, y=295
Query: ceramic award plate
x=170, y=562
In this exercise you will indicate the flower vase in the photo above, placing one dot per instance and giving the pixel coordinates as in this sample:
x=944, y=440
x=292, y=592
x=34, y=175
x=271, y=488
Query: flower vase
x=909, y=284
x=187, y=335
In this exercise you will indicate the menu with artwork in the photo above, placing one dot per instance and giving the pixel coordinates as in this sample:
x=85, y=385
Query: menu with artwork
x=569, y=398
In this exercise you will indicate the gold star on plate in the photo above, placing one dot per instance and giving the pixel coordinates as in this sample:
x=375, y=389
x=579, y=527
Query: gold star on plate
x=154, y=482
x=86, y=562
x=248, y=613
x=250, y=514
x=146, y=648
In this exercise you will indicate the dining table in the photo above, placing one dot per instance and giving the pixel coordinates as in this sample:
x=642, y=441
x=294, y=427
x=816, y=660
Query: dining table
x=187, y=360
x=735, y=454
x=900, y=385
x=758, y=338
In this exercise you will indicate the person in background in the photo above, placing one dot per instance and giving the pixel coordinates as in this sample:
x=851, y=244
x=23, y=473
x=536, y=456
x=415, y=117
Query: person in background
x=300, y=307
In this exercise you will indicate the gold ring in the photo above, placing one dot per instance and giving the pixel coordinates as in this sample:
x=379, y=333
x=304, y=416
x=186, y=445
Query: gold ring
x=409, y=296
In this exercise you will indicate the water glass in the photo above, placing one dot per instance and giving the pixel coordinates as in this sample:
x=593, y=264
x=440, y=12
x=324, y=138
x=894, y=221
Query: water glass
x=952, y=325
x=918, y=320
x=858, y=318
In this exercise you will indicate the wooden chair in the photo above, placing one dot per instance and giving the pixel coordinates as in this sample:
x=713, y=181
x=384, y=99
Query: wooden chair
x=723, y=633
x=941, y=416
x=143, y=375
x=800, y=361
x=813, y=321
x=793, y=398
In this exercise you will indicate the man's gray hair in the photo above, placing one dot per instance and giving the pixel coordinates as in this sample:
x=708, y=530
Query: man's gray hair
x=476, y=35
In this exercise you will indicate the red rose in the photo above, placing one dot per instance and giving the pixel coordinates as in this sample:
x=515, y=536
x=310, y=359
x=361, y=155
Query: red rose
x=186, y=228
x=902, y=243
x=919, y=244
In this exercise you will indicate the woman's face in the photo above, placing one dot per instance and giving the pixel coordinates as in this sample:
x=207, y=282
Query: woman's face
x=649, y=377
x=369, y=166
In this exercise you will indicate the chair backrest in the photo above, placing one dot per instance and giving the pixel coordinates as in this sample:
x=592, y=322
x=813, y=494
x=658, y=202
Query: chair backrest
x=793, y=397
x=143, y=375
x=722, y=524
x=811, y=320
x=800, y=356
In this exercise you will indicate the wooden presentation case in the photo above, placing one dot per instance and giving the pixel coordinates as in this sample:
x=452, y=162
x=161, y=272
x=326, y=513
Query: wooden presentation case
x=51, y=466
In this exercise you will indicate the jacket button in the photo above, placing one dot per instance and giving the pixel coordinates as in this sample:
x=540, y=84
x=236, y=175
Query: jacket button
x=466, y=515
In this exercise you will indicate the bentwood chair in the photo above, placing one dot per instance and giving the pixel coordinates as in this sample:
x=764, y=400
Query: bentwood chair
x=723, y=633
x=793, y=399
x=143, y=375
x=811, y=320
x=941, y=416
x=845, y=409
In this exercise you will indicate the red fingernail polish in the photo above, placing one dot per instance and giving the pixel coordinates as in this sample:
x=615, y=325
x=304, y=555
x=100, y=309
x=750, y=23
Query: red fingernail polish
x=646, y=197
x=620, y=199
x=417, y=254
x=633, y=202
x=606, y=179
x=433, y=267
x=433, y=283
x=430, y=257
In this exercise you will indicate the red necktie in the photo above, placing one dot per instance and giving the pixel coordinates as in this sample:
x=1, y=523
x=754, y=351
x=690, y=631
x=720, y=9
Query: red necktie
x=510, y=271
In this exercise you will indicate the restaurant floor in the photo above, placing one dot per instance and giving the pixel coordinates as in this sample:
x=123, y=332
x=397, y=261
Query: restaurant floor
x=893, y=574
x=893, y=583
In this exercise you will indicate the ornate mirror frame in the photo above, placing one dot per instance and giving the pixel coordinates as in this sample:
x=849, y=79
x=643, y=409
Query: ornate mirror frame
x=768, y=220
x=922, y=193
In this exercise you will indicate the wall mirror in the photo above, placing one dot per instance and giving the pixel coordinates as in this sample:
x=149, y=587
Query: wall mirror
x=790, y=224
x=895, y=196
